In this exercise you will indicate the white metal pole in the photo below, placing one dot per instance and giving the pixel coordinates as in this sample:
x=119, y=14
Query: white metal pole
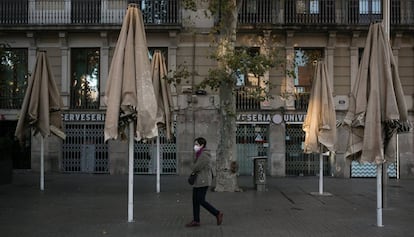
x=158, y=164
x=131, y=173
x=42, y=163
x=379, y=196
x=321, y=171
x=386, y=17
x=398, y=158
x=386, y=23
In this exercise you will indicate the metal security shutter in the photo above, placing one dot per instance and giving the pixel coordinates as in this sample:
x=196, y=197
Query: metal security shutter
x=251, y=141
x=297, y=162
x=145, y=155
x=84, y=149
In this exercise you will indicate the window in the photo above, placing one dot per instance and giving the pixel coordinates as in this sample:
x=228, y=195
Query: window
x=154, y=11
x=14, y=11
x=304, y=67
x=13, y=77
x=310, y=11
x=396, y=11
x=305, y=61
x=248, y=79
x=85, y=78
x=255, y=11
x=251, y=6
x=370, y=6
x=364, y=11
x=250, y=87
x=314, y=7
x=307, y=6
x=164, y=52
x=85, y=11
x=300, y=7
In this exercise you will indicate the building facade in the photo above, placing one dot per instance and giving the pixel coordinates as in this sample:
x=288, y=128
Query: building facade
x=79, y=37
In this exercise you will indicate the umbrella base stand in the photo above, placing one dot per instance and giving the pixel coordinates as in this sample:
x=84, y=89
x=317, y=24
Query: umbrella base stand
x=321, y=194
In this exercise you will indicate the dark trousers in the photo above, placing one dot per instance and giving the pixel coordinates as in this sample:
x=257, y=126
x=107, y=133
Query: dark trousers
x=199, y=199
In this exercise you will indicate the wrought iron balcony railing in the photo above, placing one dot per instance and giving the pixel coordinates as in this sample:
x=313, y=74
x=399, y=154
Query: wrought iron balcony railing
x=89, y=12
x=168, y=12
x=325, y=12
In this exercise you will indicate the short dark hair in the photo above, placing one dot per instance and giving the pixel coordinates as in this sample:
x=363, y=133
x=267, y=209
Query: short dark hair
x=201, y=141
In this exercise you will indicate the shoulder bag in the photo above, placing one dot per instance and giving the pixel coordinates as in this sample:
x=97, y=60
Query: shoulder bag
x=192, y=178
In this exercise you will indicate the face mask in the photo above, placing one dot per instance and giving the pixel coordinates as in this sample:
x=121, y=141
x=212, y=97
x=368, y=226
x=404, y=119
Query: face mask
x=197, y=148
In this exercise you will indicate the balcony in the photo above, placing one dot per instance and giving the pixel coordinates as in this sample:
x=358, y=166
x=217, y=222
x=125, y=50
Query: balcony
x=167, y=13
x=322, y=13
x=85, y=13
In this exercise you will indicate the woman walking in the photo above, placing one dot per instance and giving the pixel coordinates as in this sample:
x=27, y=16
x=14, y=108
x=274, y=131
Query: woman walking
x=202, y=167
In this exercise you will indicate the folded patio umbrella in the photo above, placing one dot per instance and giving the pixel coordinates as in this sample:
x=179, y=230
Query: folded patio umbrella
x=320, y=122
x=129, y=93
x=162, y=92
x=41, y=108
x=164, y=101
x=377, y=107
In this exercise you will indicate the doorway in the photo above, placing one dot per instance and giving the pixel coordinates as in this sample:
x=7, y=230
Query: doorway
x=251, y=141
x=20, y=153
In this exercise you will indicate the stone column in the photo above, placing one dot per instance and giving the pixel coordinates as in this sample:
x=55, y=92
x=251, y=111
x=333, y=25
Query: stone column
x=277, y=149
x=288, y=87
x=354, y=64
x=104, y=67
x=331, y=57
x=32, y=52
x=396, y=46
x=65, y=69
x=172, y=63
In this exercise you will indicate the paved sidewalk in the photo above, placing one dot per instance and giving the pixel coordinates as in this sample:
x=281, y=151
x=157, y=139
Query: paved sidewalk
x=96, y=205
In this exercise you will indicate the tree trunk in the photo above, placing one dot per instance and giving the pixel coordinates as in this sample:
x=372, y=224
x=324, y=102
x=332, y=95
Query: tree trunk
x=226, y=154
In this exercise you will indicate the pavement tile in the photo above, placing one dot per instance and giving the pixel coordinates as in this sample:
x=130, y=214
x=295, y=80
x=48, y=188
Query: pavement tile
x=96, y=205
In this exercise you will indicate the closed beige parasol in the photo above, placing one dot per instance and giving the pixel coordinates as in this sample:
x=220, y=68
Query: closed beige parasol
x=377, y=107
x=129, y=93
x=41, y=108
x=320, y=122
